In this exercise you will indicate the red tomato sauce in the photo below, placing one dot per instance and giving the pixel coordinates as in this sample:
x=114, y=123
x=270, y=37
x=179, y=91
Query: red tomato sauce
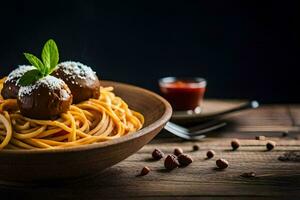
x=183, y=94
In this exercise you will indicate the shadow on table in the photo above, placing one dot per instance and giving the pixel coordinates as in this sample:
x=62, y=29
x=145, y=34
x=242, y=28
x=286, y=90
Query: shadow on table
x=114, y=183
x=90, y=187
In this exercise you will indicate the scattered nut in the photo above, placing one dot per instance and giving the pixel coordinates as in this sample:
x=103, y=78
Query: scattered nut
x=178, y=151
x=235, y=144
x=157, y=154
x=248, y=175
x=171, y=162
x=196, y=147
x=222, y=163
x=270, y=145
x=285, y=134
x=260, y=137
x=185, y=159
x=145, y=171
x=210, y=154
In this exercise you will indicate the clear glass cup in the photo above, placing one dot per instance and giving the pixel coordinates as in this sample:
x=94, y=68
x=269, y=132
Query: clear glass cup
x=184, y=93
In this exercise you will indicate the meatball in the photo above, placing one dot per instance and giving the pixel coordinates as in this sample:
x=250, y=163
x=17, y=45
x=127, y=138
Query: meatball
x=81, y=79
x=10, y=87
x=45, y=99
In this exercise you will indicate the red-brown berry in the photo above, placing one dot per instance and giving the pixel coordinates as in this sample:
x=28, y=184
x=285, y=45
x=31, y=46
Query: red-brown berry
x=222, y=163
x=210, y=154
x=260, y=137
x=157, y=154
x=185, y=159
x=196, y=147
x=235, y=144
x=145, y=171
x=178, y=151
x=270, y=145
x=171, y=162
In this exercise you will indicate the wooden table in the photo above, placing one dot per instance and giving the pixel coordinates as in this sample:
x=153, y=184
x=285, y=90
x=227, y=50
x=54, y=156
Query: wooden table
x=274, y=178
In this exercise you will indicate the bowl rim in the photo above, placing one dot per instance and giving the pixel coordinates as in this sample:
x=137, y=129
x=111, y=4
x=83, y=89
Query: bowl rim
x=145, y=130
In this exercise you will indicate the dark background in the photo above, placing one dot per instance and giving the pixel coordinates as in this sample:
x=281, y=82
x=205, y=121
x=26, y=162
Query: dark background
x=245, y=49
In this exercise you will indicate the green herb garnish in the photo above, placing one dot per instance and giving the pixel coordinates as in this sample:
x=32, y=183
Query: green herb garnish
x=50, y=57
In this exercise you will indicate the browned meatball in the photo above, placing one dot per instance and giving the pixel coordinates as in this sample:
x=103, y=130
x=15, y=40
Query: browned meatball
x=10, y=87
x=45, y=99
x=81, y=79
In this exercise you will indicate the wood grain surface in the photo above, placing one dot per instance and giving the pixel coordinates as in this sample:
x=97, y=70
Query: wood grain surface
x=274, y=179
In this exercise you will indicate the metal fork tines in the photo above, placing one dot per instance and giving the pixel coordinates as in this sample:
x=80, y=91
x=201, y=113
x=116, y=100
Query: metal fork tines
x=196, y=132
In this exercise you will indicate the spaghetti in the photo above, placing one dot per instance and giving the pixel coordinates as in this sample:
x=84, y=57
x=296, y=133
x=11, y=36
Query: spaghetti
x=91, y=121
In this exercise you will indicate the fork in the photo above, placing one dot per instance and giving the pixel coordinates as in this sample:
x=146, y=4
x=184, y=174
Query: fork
x=198, y=132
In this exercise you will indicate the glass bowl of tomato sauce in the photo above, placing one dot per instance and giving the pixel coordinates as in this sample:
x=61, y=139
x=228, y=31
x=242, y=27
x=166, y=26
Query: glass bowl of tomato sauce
x=184, y=94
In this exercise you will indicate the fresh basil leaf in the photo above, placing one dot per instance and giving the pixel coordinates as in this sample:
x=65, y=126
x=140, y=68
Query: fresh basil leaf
x=50, y=55
x=35, y=62
x=30, y=77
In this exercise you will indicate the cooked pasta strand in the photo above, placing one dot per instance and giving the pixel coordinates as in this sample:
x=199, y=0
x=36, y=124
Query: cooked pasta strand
x=94, y=120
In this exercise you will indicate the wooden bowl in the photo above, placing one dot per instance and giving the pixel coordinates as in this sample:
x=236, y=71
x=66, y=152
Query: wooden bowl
x=74, y=162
